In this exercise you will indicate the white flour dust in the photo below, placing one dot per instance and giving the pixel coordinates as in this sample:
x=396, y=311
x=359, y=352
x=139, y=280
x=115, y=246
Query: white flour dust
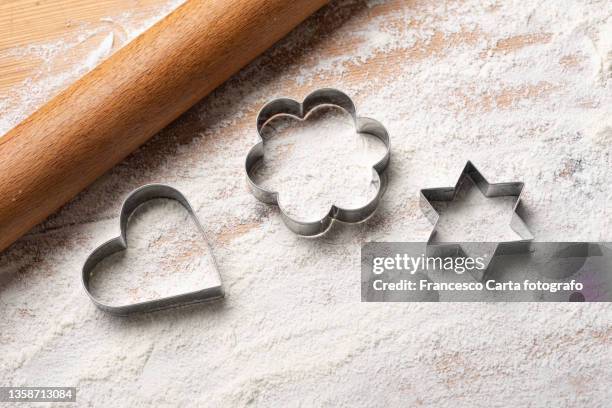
x=164, y=270
x=521, y=88
x=62, y=61
x=473, y=217
x=319, y=162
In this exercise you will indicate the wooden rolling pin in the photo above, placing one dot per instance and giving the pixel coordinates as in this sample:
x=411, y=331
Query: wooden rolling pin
x=95, y=123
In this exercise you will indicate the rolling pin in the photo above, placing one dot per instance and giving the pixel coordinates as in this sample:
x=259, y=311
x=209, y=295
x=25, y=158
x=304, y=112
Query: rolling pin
x=96, y=122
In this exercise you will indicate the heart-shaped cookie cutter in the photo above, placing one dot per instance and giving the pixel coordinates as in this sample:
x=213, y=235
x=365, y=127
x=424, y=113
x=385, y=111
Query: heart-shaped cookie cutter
x=133, y=201
x=290, y=107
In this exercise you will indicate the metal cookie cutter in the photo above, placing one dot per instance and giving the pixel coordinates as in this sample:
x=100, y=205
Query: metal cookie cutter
x=488, y=190
x=135, y=199
x=286, y=106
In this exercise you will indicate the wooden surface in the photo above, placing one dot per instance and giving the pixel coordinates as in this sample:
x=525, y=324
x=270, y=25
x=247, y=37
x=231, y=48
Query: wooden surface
x=26, y=23
x=95, y=123
x=520, y=88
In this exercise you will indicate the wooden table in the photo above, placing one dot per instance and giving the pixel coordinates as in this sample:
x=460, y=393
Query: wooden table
x=520, y=88
x=27, y=23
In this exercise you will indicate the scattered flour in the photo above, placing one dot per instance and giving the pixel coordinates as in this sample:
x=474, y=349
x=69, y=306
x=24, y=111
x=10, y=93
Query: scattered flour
x=295, y=151
x=520, y=88
x=474, y=217
x=92, y=44
x=164, y=270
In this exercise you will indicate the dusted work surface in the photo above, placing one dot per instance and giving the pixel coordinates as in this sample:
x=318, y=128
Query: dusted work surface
x=46, y=45
x=521, y=89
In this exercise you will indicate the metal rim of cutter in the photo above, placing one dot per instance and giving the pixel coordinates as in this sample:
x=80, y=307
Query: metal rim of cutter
x=132, y=202
x=489, y=190
x=291, y=107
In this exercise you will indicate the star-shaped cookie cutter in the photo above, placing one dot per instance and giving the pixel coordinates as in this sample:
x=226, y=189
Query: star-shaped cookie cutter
x=117, y=244
x=489, y=190
x=287, y=106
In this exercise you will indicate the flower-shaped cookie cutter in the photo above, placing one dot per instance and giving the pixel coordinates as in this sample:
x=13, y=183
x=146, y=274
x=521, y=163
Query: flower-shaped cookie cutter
x=290, y=107
x=117, y=244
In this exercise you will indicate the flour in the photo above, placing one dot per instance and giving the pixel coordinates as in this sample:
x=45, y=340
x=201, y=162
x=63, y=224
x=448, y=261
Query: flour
x=603, y=44
x=165, y=269
x=520, y=88
x=85, y=50
x=473, y=217
x=295, y=151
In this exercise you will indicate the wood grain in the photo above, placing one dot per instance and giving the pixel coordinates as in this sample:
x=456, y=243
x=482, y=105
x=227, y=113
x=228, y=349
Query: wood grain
x=23, y=22
x=99, y=120
x=26, y=23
